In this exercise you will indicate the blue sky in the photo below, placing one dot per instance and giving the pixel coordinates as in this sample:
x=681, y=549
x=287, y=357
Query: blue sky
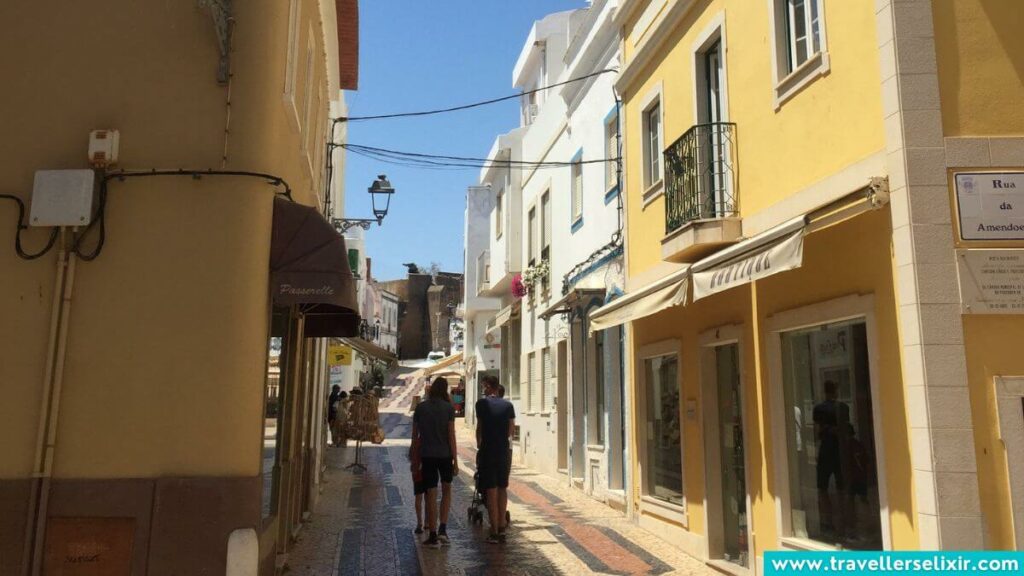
x=419, y=55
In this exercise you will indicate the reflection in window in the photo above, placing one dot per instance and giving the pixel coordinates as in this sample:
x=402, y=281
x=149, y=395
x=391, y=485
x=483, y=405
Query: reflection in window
x=663, y=478
x=273, y=398
x=830, y=436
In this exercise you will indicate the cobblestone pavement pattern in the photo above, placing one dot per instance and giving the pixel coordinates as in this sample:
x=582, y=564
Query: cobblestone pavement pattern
x=364, y=522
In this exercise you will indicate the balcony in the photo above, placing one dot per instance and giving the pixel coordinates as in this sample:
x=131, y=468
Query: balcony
x=701, y=196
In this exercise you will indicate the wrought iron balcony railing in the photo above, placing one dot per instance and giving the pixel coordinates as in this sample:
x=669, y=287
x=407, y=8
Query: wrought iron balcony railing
x=700, y=180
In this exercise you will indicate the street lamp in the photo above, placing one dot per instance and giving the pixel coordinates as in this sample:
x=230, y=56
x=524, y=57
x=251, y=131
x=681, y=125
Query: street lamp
x=380, y=194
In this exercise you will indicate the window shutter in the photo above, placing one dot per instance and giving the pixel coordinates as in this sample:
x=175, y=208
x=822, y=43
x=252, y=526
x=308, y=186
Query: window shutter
x=577, y=190
x=531, y=384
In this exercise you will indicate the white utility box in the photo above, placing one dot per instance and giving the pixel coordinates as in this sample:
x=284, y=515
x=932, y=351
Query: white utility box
x=103, y=147
x=62, y=198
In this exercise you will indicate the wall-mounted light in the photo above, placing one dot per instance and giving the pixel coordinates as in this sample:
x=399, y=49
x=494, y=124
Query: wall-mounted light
x=380, y=194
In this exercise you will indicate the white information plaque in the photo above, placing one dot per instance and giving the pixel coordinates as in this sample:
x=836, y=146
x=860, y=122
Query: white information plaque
x=991, y=281
x=991, y=205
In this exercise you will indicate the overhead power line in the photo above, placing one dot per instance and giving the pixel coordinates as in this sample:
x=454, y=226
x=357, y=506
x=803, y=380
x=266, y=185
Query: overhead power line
x=472, y=105
x=437, y=161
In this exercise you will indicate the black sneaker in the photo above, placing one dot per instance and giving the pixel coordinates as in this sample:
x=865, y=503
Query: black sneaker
x=502, y=535
x=419, y=529
x=442, y=537
x=432, y=542
x=493, y=539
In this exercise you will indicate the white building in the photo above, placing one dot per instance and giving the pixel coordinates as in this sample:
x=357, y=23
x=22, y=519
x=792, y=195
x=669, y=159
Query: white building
x=562, y=218
x=387, y=321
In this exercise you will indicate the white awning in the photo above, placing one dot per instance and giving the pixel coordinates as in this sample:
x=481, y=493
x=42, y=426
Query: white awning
x=565, y=303
x=651, y=299
x=749, y=264
x=503, y=317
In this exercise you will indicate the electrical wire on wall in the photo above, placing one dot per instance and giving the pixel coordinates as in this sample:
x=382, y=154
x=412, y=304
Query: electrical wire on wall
x=18, y=248
x=99, y=218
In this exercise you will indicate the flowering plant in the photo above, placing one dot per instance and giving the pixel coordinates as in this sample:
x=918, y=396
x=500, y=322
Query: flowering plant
x=518, y=289
x=536, y=273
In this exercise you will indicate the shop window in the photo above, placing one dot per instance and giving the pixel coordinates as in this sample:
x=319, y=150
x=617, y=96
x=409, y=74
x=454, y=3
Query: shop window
x=663, y=469
x=278, y=351
x=597, y=419
x=830, y=436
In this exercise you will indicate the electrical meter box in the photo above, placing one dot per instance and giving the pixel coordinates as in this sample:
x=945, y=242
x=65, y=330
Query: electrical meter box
x=62, y=198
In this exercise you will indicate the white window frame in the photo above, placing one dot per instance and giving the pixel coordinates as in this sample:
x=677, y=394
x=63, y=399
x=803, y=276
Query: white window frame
x=709, y=341
x=789, y=82
x=576, y=189
x=611, y=150
x=652, y=188
x=846, y=308
x=291, y=61
x=649, y=504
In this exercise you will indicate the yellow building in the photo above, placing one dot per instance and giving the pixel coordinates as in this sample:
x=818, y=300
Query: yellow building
x=806, y=372
x=138, y=423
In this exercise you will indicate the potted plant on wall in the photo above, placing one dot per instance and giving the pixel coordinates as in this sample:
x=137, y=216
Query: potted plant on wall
x=536, y=275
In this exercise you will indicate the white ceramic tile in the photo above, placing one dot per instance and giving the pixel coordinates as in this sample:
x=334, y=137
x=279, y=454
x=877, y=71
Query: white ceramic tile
x=893, y=132
x=887, y=60
x=910, y=325
x=967, y=152
x=903, y=245
x=895, y=161
x=906, y=284
x=924, y=492
x=883, y=19
x=890, y=96
x=921, y=449
x=917, y=400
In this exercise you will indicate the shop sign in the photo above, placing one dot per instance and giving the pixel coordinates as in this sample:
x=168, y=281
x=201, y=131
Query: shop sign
x=339, y=355
x=991, y=281
x=991, y=205
x=785, y=255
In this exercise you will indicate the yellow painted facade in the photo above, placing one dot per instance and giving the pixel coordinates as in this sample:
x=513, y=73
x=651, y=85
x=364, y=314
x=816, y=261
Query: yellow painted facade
x=165, y=371
x=794, y=155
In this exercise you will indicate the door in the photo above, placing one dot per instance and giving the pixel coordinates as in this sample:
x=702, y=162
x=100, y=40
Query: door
x=728, y=513
x=561, y=406
x=716, y=199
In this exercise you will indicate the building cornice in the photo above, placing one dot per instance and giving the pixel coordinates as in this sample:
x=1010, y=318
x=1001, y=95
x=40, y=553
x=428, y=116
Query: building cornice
x=655, y=40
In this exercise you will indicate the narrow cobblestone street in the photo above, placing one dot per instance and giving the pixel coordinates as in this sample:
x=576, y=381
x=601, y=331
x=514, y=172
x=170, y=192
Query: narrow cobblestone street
x=365, y=519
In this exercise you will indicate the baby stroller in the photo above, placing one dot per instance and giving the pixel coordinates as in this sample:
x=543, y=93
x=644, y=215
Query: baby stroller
x=476, y=509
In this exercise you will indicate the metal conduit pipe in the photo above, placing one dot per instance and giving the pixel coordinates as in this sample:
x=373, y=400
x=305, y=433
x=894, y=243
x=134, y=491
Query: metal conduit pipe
x=35, y=528
x=37, y=466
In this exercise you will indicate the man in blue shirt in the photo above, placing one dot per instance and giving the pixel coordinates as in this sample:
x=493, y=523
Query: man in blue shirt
x=495, y=423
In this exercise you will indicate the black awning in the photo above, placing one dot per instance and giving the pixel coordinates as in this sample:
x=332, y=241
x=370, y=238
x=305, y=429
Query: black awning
x=309, y=267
